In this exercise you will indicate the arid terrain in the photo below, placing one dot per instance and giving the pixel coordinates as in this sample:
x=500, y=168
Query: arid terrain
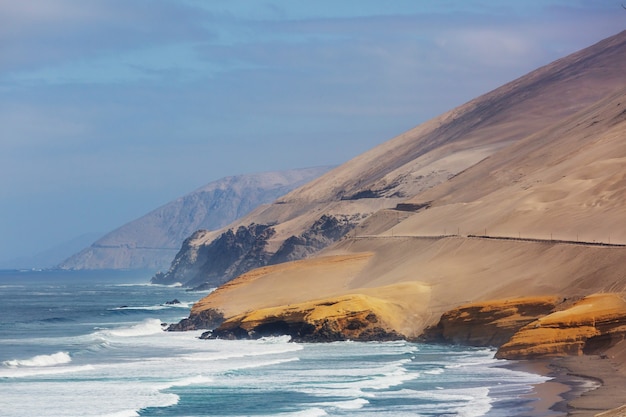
x=515, y=201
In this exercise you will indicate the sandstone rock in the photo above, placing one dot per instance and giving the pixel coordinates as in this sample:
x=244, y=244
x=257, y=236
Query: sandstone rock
x=590, y=326
x=489, y=323
x=350, y=317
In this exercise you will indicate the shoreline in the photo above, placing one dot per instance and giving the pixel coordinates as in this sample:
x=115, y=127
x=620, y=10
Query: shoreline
x=580, y=386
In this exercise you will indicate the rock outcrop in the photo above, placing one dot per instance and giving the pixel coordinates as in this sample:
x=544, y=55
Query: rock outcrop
x=349, y=317
x=234, y=252
x=489, y=323
x=591, y=326
x=537, y=327
x=206, y=319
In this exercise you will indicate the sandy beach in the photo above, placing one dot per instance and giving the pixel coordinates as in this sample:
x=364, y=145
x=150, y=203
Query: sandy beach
x=581, y=386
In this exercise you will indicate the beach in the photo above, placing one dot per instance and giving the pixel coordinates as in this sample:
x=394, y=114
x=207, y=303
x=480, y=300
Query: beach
x=581, y=386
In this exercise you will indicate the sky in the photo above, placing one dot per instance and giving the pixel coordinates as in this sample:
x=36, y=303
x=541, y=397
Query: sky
x=112, y=108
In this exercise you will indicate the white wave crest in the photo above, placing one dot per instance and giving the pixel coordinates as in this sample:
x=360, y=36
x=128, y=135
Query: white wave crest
x=185, y=382
x=145, y=328
x=58, y=358
x=311, y=412
x=125, y=413
x=149, y=284
x=30, y=372
x=355, y=404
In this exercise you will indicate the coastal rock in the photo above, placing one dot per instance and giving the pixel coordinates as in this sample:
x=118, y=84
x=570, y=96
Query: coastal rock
x=350, y=317
x=590, y=326
x=234, y=252
x=489, y=323
x=325, y=231
x=203, y=265
x=205, y=319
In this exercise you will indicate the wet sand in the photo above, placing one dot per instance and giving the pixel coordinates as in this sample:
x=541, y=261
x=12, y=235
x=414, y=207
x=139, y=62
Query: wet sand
x=581, y=386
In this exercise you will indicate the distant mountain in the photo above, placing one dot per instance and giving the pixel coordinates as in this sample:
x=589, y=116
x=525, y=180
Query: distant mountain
x=389, y=175
x=152, y=241
x=51, y=257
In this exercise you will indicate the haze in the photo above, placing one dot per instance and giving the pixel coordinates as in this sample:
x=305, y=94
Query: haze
x=109, y=109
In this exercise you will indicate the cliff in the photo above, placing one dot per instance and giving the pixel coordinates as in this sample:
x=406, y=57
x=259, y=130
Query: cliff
x=591, y=326
x=234, y=252
x=152, y=241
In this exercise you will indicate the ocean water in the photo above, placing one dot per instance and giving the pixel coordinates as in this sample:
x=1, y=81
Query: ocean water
x=92, y=344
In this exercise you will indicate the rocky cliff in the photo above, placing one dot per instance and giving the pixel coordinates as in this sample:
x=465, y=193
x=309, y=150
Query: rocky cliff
x=491, y=323
x=234, y=252
x=349, y=317
x=591, y=326
x=152, y=241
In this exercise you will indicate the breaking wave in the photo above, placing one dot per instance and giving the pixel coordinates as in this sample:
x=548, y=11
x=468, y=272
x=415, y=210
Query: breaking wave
x=58, y=358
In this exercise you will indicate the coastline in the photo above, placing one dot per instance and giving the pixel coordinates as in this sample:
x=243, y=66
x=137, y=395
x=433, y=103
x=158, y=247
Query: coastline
x=580, y=386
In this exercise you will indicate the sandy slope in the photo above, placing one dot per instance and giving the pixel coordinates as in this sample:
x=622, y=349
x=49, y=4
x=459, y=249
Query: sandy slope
x=454, y=270
x=548, y=161
x=566, y=181
x=441, y=148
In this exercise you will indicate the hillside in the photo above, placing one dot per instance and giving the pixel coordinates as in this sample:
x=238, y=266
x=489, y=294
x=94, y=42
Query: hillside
x=415, y=169
x=151, y=241
x=532, y=219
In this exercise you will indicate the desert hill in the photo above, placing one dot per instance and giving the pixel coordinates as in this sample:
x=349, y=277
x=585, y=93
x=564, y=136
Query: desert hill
x=151, y=241
x=415, y=169
x=531, y=219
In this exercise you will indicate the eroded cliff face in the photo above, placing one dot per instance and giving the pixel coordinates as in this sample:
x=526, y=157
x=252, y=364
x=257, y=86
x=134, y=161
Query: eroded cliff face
x=537, y=327
x=491, y=323
x=206, y=265
x=231, y=254
x=350, y=317
x=591, y=326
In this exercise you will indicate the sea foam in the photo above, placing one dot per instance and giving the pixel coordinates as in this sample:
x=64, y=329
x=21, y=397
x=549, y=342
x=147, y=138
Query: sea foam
x=58, y=358
x=144, y=328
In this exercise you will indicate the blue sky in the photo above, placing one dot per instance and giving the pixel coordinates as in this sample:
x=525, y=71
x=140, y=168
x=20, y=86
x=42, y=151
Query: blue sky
x=111, y=108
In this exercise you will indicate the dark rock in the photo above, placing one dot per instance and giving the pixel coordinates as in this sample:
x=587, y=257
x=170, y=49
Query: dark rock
x=235, y=252
x=325, y=231
x=206, y=319
x=174, y=301
x=358, y=326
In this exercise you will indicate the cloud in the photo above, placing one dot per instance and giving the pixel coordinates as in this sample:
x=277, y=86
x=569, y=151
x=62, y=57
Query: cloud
x=51, y=32
x=121, y=103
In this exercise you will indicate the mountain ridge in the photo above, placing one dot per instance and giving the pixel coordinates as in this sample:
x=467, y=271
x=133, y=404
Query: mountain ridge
x=152, y=241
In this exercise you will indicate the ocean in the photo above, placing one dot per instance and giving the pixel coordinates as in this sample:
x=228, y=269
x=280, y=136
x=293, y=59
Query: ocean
x=92, y=344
